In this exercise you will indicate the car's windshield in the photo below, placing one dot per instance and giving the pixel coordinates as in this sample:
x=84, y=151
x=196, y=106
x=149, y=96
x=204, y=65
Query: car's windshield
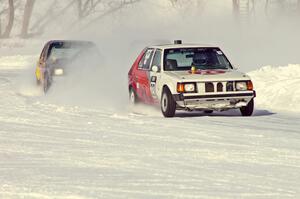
x=67, y=51
x=200, y=58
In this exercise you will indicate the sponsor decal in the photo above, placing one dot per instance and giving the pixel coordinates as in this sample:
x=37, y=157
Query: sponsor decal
x=207, y=72
x=153, y=86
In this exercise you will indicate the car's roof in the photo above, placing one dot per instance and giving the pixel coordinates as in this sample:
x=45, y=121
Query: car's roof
x=171, y=46
x=69, y=41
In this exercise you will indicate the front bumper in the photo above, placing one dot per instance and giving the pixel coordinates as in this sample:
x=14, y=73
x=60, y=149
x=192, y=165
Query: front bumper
x=222, y=101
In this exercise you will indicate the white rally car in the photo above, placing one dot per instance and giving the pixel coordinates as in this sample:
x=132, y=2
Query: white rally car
x=189, y=77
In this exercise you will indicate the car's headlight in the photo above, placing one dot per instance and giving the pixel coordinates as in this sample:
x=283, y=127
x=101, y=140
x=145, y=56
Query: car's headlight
x=241, y=86
x=58, y=71
x=186, y=87
x=189, y=88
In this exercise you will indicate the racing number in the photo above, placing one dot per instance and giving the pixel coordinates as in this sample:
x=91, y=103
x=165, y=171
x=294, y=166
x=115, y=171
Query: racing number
x=155, y=76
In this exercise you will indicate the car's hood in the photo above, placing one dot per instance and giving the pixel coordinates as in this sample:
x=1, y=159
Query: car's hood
x=207, y=75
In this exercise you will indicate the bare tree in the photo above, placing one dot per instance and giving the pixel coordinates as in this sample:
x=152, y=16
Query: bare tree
x=243, y=10
x=11, y=18
x=85, y=7
x=26, y=18
x=79, y=5
x=114, y=6
x=0, y=27
x=276, y=8
x=89, y=13
x=174, y=2
x=50, y=15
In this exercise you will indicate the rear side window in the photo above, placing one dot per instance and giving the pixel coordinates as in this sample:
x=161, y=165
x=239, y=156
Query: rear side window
x=145, y=61
x=157, y=58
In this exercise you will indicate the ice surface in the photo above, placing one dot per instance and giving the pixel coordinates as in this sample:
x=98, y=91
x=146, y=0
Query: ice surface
x=50, y=148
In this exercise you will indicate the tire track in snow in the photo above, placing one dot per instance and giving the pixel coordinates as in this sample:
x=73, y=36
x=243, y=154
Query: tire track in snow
x=51, y=150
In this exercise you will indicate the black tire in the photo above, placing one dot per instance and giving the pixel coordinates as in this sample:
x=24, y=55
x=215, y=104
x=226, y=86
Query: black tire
x=38, y=82
x=46, y=83
x=167, y=103
x=248, y=110
x=208, y=111
x=133, y=98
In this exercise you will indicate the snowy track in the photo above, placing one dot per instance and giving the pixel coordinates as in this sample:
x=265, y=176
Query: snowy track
x=49, y=150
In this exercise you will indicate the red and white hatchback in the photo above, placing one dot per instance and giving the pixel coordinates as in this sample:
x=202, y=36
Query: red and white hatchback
x=189, y=77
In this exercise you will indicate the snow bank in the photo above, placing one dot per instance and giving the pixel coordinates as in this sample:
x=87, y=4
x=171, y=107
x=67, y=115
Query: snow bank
x=277, y=87
x=17, y=62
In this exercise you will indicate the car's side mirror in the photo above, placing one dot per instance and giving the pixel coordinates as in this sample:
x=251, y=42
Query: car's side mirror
x=155, y=69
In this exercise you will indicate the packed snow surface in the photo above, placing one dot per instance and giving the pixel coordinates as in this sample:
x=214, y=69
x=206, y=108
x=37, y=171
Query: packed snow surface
x=53, y=149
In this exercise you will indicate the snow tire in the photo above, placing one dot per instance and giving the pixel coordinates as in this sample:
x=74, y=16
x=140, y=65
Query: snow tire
x=248, y=110
x=168, y=105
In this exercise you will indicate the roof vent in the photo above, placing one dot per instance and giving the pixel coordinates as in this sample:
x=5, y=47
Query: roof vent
x=178, y=42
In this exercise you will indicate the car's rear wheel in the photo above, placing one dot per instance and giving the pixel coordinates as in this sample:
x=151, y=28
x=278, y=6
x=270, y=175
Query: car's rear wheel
x=133, y=98
x=168, y=105
x=248, y=110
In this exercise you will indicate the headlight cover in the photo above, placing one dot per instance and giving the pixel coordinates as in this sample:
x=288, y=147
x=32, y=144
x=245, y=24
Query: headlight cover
x=189, y=88
x=241, y=86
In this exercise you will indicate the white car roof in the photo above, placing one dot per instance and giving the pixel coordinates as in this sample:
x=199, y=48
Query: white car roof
x=170, y=46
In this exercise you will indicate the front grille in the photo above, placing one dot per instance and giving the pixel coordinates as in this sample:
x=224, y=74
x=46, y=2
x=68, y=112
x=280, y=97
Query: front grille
x=229, y=86
x=209, y=87
x=219, y=87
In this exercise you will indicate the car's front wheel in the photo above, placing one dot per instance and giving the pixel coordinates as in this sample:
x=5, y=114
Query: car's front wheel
x=46, y=83
x=168, y=105
x=248, y=110
x=38, y=82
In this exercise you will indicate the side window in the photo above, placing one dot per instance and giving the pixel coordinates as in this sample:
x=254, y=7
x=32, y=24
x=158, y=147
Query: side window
x=145, y=61
x=157, y=59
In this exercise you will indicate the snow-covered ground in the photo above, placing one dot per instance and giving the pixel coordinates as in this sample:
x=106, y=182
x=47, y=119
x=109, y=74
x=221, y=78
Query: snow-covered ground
x=278, y=87
x=53, y=149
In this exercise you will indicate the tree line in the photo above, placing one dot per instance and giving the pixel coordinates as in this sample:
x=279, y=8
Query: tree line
x=17, y=14
x=85, y=8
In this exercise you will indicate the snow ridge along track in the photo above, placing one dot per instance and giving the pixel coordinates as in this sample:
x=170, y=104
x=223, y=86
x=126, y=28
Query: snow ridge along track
x=54, y=150
x=278, y=87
